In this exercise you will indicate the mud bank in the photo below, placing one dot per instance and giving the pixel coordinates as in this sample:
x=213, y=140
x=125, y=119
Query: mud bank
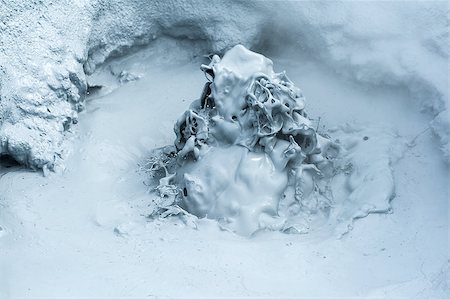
x=44, y=62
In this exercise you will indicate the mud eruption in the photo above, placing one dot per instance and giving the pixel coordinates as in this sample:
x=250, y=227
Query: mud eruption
x=246, y=152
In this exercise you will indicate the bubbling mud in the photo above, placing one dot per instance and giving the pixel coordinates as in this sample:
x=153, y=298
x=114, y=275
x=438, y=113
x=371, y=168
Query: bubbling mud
x=246, y=152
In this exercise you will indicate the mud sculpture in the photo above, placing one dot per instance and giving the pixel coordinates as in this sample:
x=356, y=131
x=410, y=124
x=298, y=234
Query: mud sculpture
x=246, y=152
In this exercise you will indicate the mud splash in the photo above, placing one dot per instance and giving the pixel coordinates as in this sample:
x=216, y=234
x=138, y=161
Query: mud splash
x=247, y=154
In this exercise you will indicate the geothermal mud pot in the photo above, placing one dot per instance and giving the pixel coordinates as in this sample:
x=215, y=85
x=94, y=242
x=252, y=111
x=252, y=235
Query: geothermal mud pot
x=90, y=91
x=247, y=154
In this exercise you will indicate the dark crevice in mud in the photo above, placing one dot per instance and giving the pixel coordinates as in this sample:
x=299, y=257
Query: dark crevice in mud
x=7, y=161
x=93, y=89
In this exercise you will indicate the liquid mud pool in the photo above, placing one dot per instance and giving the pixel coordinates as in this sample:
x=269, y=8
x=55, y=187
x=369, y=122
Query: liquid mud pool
x=85, y=232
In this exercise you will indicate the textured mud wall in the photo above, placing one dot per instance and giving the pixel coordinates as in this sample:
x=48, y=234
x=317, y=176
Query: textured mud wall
x=47, y=48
